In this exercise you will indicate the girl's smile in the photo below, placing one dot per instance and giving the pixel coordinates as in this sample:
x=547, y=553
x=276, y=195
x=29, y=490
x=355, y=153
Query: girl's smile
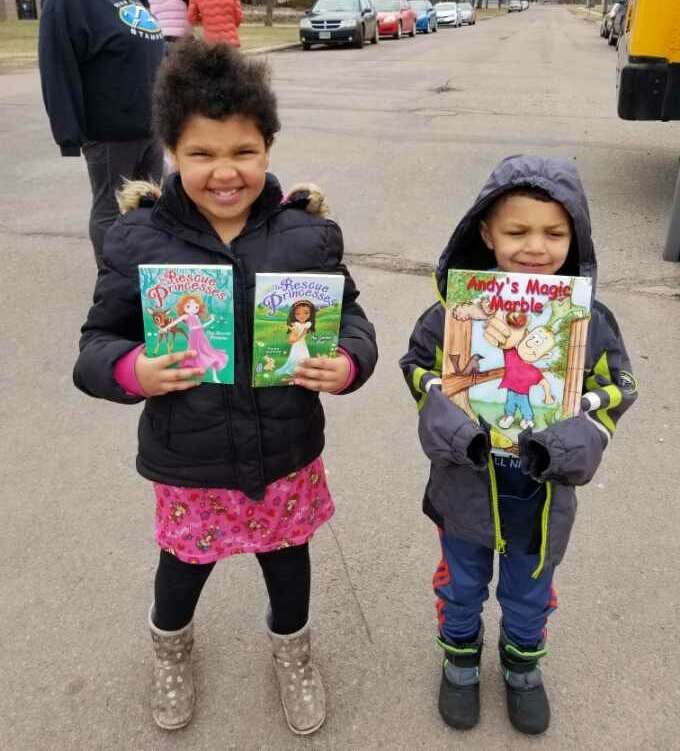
x=223, y=165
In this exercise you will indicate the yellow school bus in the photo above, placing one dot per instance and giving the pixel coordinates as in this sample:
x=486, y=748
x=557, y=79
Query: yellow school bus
x=648, y=70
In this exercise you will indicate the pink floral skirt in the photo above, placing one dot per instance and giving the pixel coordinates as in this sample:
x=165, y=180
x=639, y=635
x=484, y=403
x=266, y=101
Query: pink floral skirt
x=203, y=525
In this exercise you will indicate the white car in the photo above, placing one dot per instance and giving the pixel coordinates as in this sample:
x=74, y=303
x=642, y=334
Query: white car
x=447, y=14
x=515, y=5
x=525, y=4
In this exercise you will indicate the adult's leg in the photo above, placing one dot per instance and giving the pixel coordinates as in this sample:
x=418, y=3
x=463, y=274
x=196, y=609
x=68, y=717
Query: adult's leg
x=177, y=588
x=287, y=575
x=108, y=162
x=150, y=161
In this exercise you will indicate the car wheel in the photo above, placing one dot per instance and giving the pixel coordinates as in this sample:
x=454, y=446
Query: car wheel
x=306, y=46
x=359, y=42
x=376, y=35
x=413, y=29
x=612, y=38
x=397, y=33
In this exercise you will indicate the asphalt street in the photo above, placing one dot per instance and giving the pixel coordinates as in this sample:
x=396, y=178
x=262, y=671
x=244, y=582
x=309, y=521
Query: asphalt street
x=401, y=137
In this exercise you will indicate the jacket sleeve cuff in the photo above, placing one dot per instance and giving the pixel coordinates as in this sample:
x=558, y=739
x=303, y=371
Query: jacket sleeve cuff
x=124, y=373
x=70, y=150
x=352, y=371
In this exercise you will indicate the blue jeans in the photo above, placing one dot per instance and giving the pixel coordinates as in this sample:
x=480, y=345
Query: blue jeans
x=515, y=401
x=461, y=584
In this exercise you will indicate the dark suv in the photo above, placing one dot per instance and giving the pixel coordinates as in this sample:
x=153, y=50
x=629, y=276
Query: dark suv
x=340, y=22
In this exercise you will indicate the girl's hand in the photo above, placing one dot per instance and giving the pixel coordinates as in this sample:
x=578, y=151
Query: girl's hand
x=157, y=377
x=327, y=374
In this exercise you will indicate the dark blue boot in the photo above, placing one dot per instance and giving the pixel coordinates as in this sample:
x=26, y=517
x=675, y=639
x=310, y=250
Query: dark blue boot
x=528, y=707
x=459, y=687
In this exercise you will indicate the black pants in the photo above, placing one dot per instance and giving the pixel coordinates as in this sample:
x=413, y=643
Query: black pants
x=287, y=575
x=108, y=162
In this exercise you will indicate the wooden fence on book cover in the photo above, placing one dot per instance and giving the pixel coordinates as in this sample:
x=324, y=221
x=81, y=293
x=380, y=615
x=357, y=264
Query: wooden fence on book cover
x=458, y=341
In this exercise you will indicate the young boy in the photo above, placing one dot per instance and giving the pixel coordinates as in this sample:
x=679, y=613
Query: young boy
x=532, y=217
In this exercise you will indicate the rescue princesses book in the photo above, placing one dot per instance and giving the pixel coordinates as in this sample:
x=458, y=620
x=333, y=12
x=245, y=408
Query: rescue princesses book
x=190, y=307
x=514, y=349
x=296, y=316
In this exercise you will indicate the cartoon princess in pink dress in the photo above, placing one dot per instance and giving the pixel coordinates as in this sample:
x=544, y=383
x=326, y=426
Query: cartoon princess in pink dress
x=191, y=309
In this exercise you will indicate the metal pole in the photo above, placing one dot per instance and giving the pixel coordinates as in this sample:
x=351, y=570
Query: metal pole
x=672, y=250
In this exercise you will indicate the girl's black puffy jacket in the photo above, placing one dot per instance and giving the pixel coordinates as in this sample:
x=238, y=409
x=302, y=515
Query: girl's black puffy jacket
x=218, y=436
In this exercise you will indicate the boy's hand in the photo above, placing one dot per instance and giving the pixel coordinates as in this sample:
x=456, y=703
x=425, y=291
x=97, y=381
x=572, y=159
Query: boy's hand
x=499, y=334
x=156, y=375
x=549, y=399
x=327, y=374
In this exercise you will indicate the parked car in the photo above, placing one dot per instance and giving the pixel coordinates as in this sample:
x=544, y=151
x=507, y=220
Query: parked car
x=447, y=14
x=617, y=23
x=395, y=18
x=606, y=25
x=340, y=22
x=467, y=14
x=515, y=6
x=426, y=18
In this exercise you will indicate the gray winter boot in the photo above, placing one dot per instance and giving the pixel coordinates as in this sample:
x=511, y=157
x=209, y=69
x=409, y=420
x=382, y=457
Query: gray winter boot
x=528, y=706
x=300, y=686
x=172, y=697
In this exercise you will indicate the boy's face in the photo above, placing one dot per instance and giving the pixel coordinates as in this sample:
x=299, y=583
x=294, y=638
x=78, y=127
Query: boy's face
x=536, y=344
x=222, y=165
x=527, y=235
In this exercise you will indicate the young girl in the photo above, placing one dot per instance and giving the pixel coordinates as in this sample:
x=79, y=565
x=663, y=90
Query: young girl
x=235, y=469
x=301, y=320
x=190, y=310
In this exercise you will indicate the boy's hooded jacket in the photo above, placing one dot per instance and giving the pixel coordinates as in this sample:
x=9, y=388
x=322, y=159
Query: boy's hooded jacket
x=235, y=436
x=461, y=494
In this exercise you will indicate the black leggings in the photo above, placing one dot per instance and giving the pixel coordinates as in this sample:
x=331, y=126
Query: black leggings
x=287, y=575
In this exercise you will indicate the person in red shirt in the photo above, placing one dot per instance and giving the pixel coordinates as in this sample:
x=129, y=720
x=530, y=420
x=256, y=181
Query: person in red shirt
x=521, y=375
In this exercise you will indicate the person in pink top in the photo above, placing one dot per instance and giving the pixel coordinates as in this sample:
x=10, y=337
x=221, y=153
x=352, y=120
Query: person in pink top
x=220, y=19
x=172, y=16
x=520, y=374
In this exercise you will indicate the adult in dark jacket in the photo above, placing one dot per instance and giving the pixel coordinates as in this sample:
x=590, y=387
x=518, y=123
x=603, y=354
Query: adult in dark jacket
x=531, y=216
x=98, y=61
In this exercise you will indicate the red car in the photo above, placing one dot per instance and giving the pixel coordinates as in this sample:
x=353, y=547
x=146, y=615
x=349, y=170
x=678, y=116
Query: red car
x=395, y=17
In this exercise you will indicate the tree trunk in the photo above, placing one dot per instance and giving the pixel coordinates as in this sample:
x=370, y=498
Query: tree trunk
x=269, y=14
x=457, y=341
x=573, y=378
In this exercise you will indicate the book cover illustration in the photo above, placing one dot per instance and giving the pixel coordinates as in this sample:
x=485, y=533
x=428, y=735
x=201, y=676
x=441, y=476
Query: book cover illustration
x=514, y=349
x=190, y=307
x=296, y=316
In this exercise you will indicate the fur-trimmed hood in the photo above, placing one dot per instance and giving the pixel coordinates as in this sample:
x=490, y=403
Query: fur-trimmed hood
x=136, y=194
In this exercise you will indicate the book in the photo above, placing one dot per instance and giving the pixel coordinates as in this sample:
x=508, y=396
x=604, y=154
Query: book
x=296, y=316
x=514, y=349
x=190, y=307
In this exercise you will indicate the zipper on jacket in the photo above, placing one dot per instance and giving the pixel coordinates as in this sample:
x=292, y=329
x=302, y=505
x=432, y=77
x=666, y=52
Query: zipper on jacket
x=545, y=515
x=500, y=542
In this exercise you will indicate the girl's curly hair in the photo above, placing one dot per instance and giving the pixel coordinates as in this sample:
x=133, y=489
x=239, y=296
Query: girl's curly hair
x=215, y=81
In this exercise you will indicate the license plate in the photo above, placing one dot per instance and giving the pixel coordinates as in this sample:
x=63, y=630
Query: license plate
x=324, y=35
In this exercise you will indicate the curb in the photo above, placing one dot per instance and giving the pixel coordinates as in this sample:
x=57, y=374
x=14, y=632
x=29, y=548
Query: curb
x=273, y=48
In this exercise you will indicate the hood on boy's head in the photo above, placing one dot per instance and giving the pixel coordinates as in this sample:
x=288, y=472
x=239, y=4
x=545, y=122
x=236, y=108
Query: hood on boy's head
x=559, y=179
